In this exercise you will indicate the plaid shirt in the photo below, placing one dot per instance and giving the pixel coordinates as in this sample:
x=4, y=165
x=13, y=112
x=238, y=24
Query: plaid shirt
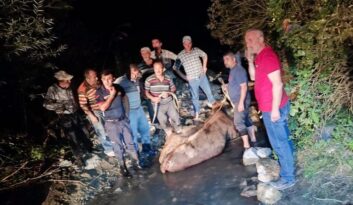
x=192, y=62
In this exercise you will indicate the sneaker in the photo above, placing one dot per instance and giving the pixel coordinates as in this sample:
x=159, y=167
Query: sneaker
x=209, y=105
x=282, y=184
x=110, y=153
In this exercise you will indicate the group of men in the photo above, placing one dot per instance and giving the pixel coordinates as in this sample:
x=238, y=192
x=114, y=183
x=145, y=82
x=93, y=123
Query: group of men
x=114, y=107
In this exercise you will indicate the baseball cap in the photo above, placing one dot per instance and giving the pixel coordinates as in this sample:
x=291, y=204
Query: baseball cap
x=186, y=38
x=62, y=75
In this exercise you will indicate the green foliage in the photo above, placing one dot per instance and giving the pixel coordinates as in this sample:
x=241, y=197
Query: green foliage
x=314, y=39
x=26, y=32
x=230, y=19
x=37, y=153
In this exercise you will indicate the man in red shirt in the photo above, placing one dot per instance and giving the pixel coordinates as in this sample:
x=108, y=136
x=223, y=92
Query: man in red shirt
x=273, y=102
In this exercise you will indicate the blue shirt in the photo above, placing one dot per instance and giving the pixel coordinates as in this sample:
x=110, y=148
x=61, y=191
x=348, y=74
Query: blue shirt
x=237, y=76
x=131, y=91
x=116, y=110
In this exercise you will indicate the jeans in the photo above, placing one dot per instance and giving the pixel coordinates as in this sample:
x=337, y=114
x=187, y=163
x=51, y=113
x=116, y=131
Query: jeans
x=139, y=126
x=242, y=120
x=202, y=82
x=100, y=131
x=148, y=104
x=278, y=134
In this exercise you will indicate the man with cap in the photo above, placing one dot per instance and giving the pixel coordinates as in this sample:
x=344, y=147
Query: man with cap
x=60, y=99
x=195, y=70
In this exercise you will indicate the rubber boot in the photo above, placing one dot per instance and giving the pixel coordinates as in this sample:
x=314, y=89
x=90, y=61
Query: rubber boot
x=147, y=149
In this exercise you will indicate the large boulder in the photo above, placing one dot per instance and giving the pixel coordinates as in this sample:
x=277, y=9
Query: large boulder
x=250, y=157
x=267, y=194
x=267, y=169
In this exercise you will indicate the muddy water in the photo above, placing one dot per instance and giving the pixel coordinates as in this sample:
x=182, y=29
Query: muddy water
x=215, y=181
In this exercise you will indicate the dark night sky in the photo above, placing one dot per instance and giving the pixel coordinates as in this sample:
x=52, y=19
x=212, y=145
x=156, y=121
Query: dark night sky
x=168, y=20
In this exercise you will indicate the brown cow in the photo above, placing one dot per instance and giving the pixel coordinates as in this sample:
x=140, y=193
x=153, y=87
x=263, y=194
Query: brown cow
x=196, y=143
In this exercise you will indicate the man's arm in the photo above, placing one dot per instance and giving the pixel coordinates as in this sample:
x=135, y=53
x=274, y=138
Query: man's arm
x=83, y=102
x=251, y=64
x=243, y=90
x=149, y=95
x=204, y=57
x=277, y=89
x=125, y=100
x=107, y=102
x=176, y=68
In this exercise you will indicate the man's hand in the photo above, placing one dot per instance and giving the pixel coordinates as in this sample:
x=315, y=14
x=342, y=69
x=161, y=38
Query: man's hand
x=93, y=119
x=204, y=69
x=225, y=87
x=112, y=91
x=240, y=107
x=249, y=55
x=156, y=99
x=275, y=115
x=164, y=95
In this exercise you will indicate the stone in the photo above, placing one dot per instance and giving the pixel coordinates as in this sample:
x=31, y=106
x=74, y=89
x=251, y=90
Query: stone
x=249, y=191
x=267, y=194
x=263, y=152
x=65, y=163
x=92, y=162
x=243, y=183
x=188, y=122
x=267, y=169
x=250, y=157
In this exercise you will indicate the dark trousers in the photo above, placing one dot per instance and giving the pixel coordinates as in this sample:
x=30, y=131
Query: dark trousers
x=76, y=133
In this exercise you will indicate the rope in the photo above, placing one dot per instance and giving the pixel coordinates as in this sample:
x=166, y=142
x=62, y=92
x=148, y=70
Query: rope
x=176, y=104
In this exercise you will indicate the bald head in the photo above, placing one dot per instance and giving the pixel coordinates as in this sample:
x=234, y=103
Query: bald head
x=254, y=40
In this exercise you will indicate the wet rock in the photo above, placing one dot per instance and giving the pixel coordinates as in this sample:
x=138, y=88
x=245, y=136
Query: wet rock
x=249, y=191
x=92, y=162
x=267, y=169
x=188, y=122
x=106, y=165
x=250, y=157
x=267, y=194
x=243, y=183
x=65, y=163
x=254, y=179
x=85, y=175
x=263, y=152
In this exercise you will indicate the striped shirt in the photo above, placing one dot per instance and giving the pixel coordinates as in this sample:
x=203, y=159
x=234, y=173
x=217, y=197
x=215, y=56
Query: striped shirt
x=131, y=90
x=87, y=97
x=192, y=62
x=156, y=87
